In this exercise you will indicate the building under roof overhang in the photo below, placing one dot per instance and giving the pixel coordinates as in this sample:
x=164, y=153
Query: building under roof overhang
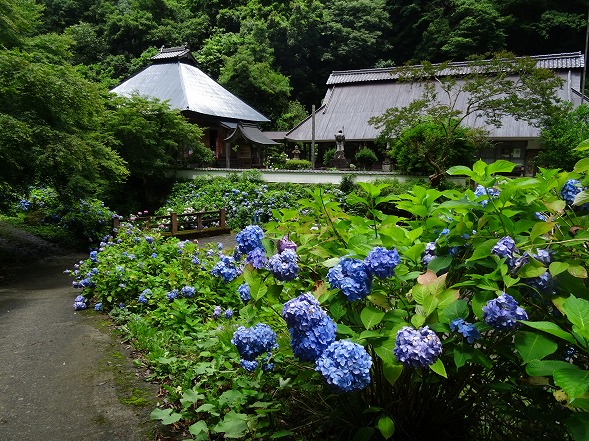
x=175, y=78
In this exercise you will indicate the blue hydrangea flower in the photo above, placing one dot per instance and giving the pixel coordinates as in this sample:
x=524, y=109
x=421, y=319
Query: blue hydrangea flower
x=217, y=312
x=225, y=268
x=149, y=239
x=504, y=249
x=255, y=341
x=249, y=239
x=569, y=190
x=540, y=216
x=257, y=258
x=188, y=291
x=79, y=303
x=94, y=256
x=543, y=284
x=543, y=256
x=503, y=313
x=311, y=329
x=195, y=260
x=284, y=266
x=468, y=330
x=429, y=254
x=345, y=366
x=228, y=313
x=417, y=348
x=171, y=295
x=381, y=262
x=489, y=192
x=244, y=292
x=351, y=277
x=248, y=365
x=285, y=244
x=142, y=299
x=98, y=306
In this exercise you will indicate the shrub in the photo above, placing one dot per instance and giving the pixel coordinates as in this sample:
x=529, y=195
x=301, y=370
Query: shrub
x=297, y=164
x=328, y=156
x=365, y=157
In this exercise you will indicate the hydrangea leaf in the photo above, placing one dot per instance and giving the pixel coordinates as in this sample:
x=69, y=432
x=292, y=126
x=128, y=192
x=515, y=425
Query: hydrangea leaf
x=392, y=372
x=234, y=425
x=457, y=309
x=577, y=311
x=556, y=268
x=533, y=346
x=557, y=206
x=371, y=317
x=577, y=271
x=574, y=381
x=541, y=228
x=530, y=270
x=551, y=328
x=462, y=354
x=545, y=368
x=578, y=426
x=582, y=165
x=500, y=166
x=380, y=300
x=439, y=368
x=281, y=434
x=479, y=300
x=386, y=426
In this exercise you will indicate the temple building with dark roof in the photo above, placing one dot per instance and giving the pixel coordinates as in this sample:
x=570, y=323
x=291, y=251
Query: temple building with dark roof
x=226, y=120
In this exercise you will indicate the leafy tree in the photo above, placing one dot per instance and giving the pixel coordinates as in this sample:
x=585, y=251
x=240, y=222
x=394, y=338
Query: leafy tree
x=151, y=138
x=489, y=89
x=560, y=135
x=18, y=19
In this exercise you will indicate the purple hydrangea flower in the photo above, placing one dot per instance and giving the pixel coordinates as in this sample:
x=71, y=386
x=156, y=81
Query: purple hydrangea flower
x=225, y=268
x=195, y=260
x=503, y=312
x=171, y=295
x=257, y=258
x=285, y=244
x=149, y=239
x=255, y=341
x=351, y=277
x=284, y=266
x=569, y=190
x=381, y=262
x=249, y=239
x=489, y=192
x=417, y=348
x=244, y=292
x=228, y=313
x=345, y=366
x=188, y=291
x=543, y=284
x=79, y=303
x=468, y=330
x=217, y=312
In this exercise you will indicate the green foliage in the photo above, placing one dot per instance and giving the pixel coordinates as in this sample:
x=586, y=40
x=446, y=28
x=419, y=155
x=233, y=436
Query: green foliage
x=328, y=156
x=558, y=136
x=365, y=157
x=297, y=164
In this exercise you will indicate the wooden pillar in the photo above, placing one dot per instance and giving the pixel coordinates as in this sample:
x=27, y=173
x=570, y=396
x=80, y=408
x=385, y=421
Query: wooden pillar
x=227, y=155
x=222, y=218
x=174, y=223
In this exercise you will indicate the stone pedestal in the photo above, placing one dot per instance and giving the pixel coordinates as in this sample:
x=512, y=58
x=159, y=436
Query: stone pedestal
x=340, y=161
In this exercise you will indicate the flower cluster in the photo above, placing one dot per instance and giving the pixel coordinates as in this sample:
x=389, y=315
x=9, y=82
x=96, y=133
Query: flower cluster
x=253, y=342
x=381, y=262
x=79, y=303
x=489, y=192
x=569, y=190
x=352, y=277
x=468, y=330
x=188, y=291
x=417, y=348
x=503, y=312
x=284, y=266
x=257, y=258
x=171, y=295
x=311, y=329
x=345, y=366
x=505, y=249
x=249, y=239
x=429, y=254
x=144, y=296
x=244, y=292
x=225, y=268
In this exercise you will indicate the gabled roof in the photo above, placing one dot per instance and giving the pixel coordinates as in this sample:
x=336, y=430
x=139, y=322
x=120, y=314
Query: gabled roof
x=355, y=96
x=174, y=77
x=250, y=132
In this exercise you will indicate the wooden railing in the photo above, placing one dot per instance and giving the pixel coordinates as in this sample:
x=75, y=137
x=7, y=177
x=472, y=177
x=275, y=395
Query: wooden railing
x=203, y=223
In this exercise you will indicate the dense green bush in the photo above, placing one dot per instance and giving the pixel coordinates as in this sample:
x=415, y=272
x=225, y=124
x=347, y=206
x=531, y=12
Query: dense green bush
x=297, y=164
x=365, y=157
x=328, y=156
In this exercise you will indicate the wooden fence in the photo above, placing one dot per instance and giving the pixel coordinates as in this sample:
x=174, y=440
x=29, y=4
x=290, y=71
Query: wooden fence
x=189, y=225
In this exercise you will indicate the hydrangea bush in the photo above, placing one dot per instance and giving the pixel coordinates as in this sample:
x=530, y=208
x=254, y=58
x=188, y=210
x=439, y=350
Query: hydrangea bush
x=460, y=319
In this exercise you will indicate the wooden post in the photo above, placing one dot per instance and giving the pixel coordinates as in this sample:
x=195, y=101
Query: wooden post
x=116, y=223
x=222, y=218
x=174, y=223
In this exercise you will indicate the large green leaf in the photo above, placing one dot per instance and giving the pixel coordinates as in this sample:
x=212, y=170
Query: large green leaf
x=234, y=425
x=574, y=382
x=582, y=166
x=456, y=309
x=577, y=311
x=371, y=316
x=167, y=416
x=545, y=368
x=551, y=328
x=533, y=346
x=392, y=371
x=578, y=426
x=500, y=166
x=439, y=368
x=386, y=426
